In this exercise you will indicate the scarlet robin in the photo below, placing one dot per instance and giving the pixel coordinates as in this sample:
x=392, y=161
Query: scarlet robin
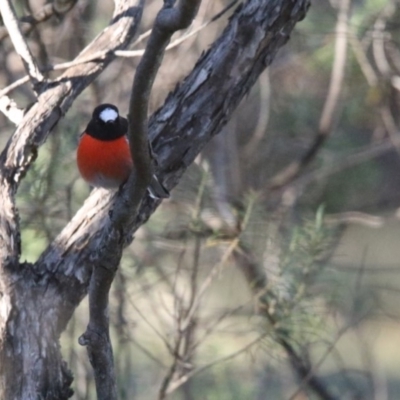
x=103, y=155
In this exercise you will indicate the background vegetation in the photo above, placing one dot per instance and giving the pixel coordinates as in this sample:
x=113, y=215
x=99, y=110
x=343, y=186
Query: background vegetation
x=303, y=183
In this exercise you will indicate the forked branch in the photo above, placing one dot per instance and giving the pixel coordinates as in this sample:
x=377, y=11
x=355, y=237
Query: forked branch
x=21, y=47
x=96, y=337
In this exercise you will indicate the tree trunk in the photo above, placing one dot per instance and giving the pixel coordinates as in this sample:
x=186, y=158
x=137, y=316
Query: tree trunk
x=31, y=365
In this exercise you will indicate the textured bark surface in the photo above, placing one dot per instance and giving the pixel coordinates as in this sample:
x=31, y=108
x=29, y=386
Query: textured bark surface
x=32, y=316
x=190, y=117
x=36, y=301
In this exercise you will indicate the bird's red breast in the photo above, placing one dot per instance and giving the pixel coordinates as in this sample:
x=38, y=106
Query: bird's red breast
x=104, y=163
x=103, y=155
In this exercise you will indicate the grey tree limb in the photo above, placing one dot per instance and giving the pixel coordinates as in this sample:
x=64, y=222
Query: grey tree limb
x=107, y=258
x=34, y=313
x=53, y=8
x=190, y=117
x=21, y=47
x=326, y=122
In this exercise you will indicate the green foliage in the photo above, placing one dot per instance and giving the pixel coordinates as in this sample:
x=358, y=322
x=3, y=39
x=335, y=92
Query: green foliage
x=292, y=289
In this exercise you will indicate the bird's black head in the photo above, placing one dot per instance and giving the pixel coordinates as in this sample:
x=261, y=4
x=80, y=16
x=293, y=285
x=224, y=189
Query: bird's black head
x=106, y=123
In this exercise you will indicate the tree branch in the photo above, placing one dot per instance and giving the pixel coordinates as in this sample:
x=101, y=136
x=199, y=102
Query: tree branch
x=97, y=335
x=330, y=106
x=190, y=117
x=15, y=159
x=195, y=112
x=55, y=7
x=107, y=258
x=20, y=45
x=167, y=22
x=51, y=104
x=118, y=53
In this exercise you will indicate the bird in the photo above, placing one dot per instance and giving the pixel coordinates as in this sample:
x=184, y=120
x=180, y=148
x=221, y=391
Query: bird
x=103, y=154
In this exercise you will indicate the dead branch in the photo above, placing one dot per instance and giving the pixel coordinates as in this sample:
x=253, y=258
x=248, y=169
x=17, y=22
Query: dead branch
x=51, y=104
x=118, y=53
x=19, y=42
x=54, y=8
x=261, y=127
x=15, y=159
x=107, y=258
x=191, y=116
x=335, y=88
x=342, y=163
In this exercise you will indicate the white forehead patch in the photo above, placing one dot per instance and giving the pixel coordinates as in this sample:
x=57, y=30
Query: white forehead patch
x=108, y=114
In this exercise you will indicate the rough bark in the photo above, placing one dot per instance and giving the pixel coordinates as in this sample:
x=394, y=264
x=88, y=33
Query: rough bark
x=36, y=301
x=190, y=117
x=33, y=314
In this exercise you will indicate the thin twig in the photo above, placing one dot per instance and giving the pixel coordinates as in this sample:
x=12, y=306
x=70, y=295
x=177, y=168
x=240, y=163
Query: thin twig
x=379, y=39
x=19, y=82
x=335, y=87
x=179, y=382
x=50, y=9
x=342, y=163
x=208, y=280
x=259, y=131
x=127, y=205
x=20, y=45
x=178, y=41
x=118, y=53
x=338, y=69
x=371, y=77
x=362, y=59
x=317, y=365
x=356, y=218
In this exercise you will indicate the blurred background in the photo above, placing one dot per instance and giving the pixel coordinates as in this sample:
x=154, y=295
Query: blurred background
x=284, y=234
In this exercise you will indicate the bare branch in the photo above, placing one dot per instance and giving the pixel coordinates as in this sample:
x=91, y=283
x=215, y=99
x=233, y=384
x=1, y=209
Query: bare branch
x=379, y=39
x=191, y=116
x=181, y=380
x=335, y=87
x=371, y=77
x=169, y=20
x=183, y=38
x=107, y=259
x=97, y=336
x=338, y=69
x=356, y=217
x=34, y=128
x=118, y=53
x=260, y=129
x=20, y=45
x=55, y=7
x=362, y=59
x=366, y=153
x=19, y=82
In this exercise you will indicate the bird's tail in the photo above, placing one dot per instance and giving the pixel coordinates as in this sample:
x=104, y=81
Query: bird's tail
x=157, y=190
